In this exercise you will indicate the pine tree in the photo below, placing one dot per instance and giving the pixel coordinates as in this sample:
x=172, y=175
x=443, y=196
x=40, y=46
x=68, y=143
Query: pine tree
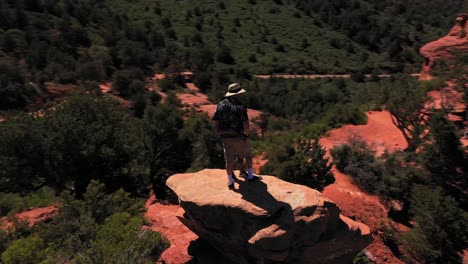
x=441, y=227
x=445, y=159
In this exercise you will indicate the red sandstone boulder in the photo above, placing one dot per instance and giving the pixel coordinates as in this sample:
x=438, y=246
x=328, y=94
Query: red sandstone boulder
x=445, y=47
x=268, y=221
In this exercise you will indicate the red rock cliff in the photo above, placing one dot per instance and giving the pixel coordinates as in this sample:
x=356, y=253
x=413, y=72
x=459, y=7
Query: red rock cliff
x=444, y=48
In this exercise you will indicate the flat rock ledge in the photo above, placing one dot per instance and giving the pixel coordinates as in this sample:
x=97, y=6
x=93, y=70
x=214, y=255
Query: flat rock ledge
x=267, y=221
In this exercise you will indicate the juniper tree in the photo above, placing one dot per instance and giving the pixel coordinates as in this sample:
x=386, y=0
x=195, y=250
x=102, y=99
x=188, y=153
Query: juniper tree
x=303, y=162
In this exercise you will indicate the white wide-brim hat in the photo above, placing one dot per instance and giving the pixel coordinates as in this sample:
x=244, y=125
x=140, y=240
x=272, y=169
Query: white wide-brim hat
x=234, y=88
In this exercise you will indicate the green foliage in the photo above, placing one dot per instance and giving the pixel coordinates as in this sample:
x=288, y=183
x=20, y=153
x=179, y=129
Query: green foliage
x=102, y=228
x=358, y=160
x=81, y=139
x=325, y=101
x=20, y=154
x=441, y=231
x=4, y=240
x=14, y=202
x=361, y=258
x=120, y=239
x=445, y=159
x=14, y=91
x=345, y=114
x=92, y=139
x=433, y=84
x=128, y=82
x=28, y=250
x=166, y=85
x=70, y=42
x=406, y=102
x=314, y=130
x=206, y=150
x=102, y=205
x=165, y=152
x=402, y=170
x=261, y=26
x=414, y=179
x=384, y=25
x=303, y=163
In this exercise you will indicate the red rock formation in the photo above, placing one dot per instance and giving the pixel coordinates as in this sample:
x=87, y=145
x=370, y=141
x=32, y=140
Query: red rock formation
x=444, y=48
x=269, y=221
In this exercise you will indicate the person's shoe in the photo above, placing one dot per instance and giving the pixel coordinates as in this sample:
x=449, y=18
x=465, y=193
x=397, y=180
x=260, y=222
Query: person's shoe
x=255, y=178
x=231, y=186
x=243, y=173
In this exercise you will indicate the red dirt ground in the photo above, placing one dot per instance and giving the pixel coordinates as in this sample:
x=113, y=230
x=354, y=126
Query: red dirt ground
x=195, y=98
x=381, y=135
x=32, y=216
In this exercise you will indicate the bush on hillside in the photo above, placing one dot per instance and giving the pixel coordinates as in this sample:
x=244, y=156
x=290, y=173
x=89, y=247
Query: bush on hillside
x=84, y=138
x=303, y=163
x=358, y=160
x=14, y=202
x=102, y=228
x=441, y=231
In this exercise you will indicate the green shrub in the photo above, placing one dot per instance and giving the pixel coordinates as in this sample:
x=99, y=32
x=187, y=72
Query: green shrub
x=303, y=163
x=440, y=234
x=14, y=202
x=10, y=202
x=433, y=84
x=121, y=239
x=30, y=250
x=166, y=85
x=4, y=240
x=102, y=228
x=345, y=114
x=314, y=130
x=358, y=160
x=361, y=258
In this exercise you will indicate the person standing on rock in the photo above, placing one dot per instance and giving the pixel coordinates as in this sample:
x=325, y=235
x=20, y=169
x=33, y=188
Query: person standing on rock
x=234, y=129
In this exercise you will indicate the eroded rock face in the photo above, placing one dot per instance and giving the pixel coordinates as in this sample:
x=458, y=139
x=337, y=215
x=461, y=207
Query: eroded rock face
x=268, y=221
x=446, y=47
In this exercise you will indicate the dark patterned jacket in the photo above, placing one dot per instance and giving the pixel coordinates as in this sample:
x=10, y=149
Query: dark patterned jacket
x=230, y=115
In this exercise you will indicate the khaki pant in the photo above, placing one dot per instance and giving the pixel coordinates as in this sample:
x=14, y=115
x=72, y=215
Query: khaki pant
x=239, y=147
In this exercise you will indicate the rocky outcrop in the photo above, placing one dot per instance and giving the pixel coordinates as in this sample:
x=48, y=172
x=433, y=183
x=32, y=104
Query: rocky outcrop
x=446, y=47
x=268, y=221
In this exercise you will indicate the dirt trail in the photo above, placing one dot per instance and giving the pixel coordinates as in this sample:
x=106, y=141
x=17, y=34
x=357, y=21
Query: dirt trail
x=321, y=76
x=195, y=98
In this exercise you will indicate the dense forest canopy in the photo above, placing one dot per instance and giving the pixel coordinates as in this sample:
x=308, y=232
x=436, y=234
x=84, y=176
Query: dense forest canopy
x=81, y=41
